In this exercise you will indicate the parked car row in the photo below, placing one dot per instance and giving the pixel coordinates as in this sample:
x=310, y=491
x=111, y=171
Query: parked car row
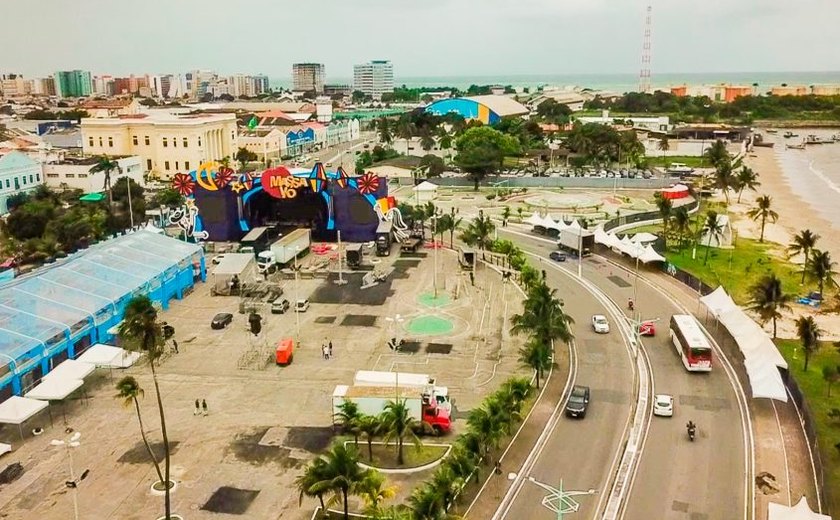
x=278, y=306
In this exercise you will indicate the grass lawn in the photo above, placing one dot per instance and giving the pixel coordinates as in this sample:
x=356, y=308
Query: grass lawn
x=815, y=389
x=386, y=456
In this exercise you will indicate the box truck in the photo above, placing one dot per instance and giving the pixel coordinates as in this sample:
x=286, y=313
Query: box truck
x=578, y=241
x=353, y=255
x=283, y=251
x=422, y=382
x=372, y=400
x=384, y=238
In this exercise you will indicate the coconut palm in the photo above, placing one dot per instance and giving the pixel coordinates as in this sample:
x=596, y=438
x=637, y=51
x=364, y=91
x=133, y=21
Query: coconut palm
x=398, y=512
x=397, y=423
x=809, y=335
x=455, y=223
x=311, y=482
x=426, y=503
x=140, y=331
x=746, y=179
x=340, y=475
x=725, y=177
x=717, y=153
x=505, y=215
x=830, y=375
x=666, y=210
x=405, y=130
x=537, y=356
x=129, y=390
x=682, y=223
x=427, y=142
x=447, y=484
x=478, y=232
x=486, y=430
x=105, y=165
x=804, y=243
x=462, y=462
x=664, y=146
x=768, y=299
x=370, y=426
x=821, y=268
x=713, y=229
x=762, y=211
x=385, y=131
x=374, y=492
x=349, y=415
x=543, y=316
x=518, y=389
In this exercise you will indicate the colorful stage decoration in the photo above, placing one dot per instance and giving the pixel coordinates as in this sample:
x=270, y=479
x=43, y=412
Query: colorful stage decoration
x=186, y=218
x=279, y=182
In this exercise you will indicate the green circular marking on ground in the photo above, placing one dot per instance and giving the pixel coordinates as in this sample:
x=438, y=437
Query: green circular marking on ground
x=429, y=300
x=430, y=326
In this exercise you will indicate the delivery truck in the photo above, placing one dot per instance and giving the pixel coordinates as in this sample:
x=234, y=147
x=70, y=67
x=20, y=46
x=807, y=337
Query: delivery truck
x=466, y=258
x=283, y=251
x=577, y=241
x=422, y=382
x=257, y=239
x=353, y=255
x=372, y=400
x=384, y=238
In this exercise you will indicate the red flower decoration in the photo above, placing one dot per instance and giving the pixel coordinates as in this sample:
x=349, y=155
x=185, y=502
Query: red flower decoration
x=223, y=177
x=368, y=183
x=183, y=183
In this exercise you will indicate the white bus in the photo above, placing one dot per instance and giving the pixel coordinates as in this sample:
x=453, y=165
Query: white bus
x=691, y=344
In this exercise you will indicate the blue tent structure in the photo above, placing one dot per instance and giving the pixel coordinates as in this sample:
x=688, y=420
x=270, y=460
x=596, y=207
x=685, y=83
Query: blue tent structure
x=58, y=311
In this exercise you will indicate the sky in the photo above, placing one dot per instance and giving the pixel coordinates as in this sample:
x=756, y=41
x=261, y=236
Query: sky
x=428, y=38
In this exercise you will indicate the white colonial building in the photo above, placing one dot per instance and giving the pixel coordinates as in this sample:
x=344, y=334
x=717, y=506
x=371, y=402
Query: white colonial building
x=74, y=173
x=19, y=173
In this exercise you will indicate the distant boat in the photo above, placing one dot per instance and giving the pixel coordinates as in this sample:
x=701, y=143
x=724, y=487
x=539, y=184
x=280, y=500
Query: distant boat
x=813, y=139
x=788, y=135
x=836, y=138
x=772, y=131
x=764, y=144
x=800, y=146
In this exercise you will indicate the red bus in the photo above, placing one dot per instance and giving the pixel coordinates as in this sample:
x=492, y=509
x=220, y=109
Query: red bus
x=691, y=344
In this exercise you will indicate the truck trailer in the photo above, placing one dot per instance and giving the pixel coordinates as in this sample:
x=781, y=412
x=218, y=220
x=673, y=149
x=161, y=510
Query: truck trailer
x=257, y=240
x=384, y=238
x=578, y=241
x=372, y=400
x=466, y=258
x=422, y=382
x=353, y=255
x=283, y=251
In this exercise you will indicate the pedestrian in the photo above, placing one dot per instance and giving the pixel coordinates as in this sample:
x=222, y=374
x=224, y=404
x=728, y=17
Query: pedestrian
x=472, y=279
x=324, y=351
x=329, y=350
x=204, y=406
x=175, y=345
x=197, y=408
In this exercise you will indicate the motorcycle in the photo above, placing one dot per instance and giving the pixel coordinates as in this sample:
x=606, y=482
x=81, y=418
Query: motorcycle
x=630, y=304
x=692, y=430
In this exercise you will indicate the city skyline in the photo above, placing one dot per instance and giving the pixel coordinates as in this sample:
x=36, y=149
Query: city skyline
x=533, y=36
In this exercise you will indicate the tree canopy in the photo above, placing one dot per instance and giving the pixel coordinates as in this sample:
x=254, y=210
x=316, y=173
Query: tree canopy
x=482, y=149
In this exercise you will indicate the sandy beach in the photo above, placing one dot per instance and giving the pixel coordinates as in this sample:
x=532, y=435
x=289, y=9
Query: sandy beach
x=794, y=216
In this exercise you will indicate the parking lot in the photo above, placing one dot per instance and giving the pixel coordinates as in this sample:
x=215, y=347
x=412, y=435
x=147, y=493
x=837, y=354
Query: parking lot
x=266, y=422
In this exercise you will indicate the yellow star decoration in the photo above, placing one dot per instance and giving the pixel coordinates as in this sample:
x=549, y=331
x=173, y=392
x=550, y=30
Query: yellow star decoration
x=237, y=186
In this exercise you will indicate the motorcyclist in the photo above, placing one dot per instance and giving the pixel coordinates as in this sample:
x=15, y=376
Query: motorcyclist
x=691, y=428
x=630, y=303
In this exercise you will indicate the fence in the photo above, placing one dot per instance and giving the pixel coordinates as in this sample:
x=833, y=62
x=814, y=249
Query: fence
x=553, y=182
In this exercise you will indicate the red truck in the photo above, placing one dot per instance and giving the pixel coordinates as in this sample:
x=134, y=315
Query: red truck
x=371, y=400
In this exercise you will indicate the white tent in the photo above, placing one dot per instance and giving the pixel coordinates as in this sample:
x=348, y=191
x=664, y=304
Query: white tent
x=801, y=511
x=154, y=229
x=71, y=369
x=718, y=301
x=765, y=380
x=234, y=264
x=16, y=409
x=644, y=238
x=425, y=191
x=613, y=241
x=533, y=220
x=649, y=255
x=56, y=389
x=106, y=356
x=575, y=224
x=601, y=236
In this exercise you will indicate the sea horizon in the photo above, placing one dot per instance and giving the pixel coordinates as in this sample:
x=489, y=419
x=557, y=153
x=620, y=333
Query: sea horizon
x=616, y=82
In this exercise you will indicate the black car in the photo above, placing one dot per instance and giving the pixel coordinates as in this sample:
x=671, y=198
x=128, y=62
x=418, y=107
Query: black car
x=221, y=320
x=557, y=256
x=578, y=401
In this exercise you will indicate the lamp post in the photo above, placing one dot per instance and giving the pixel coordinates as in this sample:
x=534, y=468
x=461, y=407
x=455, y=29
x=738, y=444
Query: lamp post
x=297, y=312
x=69, y=444
x=434, y=218
x=128, y=190
x=393, y=326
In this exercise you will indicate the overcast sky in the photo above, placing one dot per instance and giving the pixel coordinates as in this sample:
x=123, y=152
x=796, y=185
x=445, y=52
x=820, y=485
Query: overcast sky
x=422, y=38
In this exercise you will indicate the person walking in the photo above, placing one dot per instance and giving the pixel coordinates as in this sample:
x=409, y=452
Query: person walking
x=329, y=350
x=324, y=351
x=197, y=408
x=204, y=407
x=175, y=345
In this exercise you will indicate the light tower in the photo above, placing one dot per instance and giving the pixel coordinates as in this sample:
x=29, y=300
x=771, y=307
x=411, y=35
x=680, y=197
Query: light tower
x=644, y=74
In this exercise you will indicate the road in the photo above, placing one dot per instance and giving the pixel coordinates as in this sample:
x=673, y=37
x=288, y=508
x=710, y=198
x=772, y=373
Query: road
x=675, y=478
x=582, y=452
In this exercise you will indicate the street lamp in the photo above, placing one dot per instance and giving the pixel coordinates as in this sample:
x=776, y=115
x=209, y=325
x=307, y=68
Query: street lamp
x=69, y=444
x=392, y=327
x=434, y=218
x=297, y=311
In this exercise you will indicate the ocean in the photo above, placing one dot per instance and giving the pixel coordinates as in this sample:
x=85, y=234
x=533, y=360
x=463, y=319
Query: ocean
x=611, y=82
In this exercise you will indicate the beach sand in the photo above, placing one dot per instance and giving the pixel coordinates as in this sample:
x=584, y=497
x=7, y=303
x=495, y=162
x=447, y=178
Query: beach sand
x=794, y=216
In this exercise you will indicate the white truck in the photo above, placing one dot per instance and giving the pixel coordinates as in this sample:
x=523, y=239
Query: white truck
x=577, y=241
x=372, y=400
x=283, y=251
x=421, y=382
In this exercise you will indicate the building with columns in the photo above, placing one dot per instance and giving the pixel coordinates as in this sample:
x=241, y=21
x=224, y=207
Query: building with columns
x=166, y=143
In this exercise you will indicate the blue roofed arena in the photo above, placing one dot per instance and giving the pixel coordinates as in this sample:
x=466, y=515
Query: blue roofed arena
x=487, y=109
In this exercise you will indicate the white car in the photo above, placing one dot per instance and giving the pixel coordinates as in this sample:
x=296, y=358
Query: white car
x=600, y=324
x=663, y=405
x=301, y=305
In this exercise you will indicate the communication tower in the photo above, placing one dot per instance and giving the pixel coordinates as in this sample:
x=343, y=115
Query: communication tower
x=644, y=75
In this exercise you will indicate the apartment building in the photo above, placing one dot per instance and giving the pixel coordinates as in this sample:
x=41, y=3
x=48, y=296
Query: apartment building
x=73, y=83
x=19, y=173
x=374, y=78
x=166, y=143
x=74, y=173
x=308, y=77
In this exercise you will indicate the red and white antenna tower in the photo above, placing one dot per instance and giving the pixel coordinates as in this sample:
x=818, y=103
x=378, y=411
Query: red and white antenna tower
x=644, y=75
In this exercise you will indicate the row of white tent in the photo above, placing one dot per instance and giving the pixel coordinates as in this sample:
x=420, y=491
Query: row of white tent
x=63, y=380
x=548, y=222
x=761, y=357
x=637, y=247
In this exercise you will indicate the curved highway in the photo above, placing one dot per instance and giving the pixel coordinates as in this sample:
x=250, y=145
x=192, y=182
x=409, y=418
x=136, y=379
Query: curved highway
x=675, y=478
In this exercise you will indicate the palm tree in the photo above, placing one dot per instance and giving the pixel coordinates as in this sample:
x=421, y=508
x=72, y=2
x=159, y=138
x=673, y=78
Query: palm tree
x=129, y=390
x=505, y=215
x=340, y=474
x=311, y=482
x=682, y=223
x=519, y=212
x=374, y=492
x=664, y=146
x=140, y=331
x=484, y=426
x=543, y=316
x=724, y=177
x=666, y=209
x=809, y=335
x=106, y=165
x=537, y=356
x=456, y=221
x=349, y=415
x=714, y=229
x=762, y=211
x=370, y=426
x=426, y=503
x=830, y=375
x=478, y=232
x=385, y=131
x=427, y=142
x=398, y=423
x=462, y=461
x=398, y=512
x=768, y=299
x=447, y=484
x=821, y=268
x=746, y=178
x=804, y=242
x=404, y=131
x=717, y=153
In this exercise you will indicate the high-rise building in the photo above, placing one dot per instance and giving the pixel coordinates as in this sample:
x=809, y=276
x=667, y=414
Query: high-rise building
x=308, y=77
x=43, y=86
x=73, y=83
x=261, y=85
x=374, y=78
x=13, y=85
